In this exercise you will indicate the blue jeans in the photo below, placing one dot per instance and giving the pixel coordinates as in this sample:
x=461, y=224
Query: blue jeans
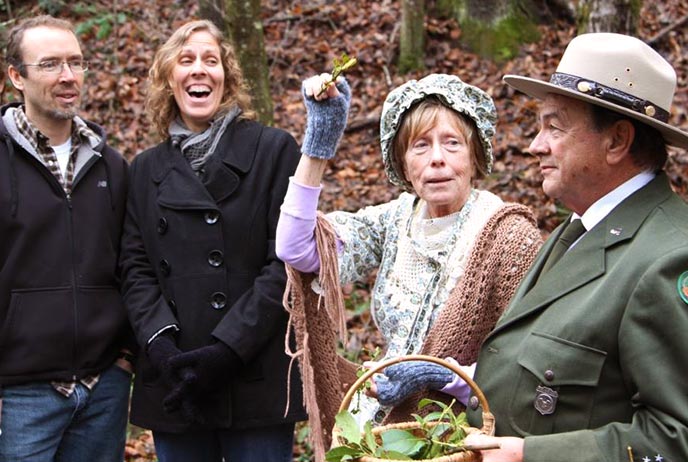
x=41, y=425
x=273, y=444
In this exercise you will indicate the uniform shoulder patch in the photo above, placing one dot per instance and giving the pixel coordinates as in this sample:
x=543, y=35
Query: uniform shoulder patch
x=682, y=286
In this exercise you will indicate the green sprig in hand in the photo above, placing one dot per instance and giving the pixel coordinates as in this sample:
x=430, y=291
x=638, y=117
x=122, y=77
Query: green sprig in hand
x=341, y=64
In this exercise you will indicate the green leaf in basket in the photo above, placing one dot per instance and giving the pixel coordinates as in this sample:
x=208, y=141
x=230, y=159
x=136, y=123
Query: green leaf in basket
x=348, y=427
x=427, y=402
x=393, y=455
x=343, y=454
x=461, y=420
x=435, y=416
x=402, y=441
x=369, y=437
x=438, y=430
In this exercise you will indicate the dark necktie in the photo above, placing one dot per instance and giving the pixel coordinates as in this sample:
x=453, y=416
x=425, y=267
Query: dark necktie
x=572, y=232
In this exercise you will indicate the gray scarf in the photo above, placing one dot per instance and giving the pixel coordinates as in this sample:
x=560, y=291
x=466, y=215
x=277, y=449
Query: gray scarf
x=197, y=147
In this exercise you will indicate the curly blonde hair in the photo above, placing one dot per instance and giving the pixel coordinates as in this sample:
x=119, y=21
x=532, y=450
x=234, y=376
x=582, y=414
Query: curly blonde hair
x=161, y=106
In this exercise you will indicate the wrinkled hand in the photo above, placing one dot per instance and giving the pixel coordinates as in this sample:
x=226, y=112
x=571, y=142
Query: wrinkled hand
x=327, y=113
x=510, y=448
x=400, y=380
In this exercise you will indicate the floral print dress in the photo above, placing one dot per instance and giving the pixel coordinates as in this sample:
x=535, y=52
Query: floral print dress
x=420, y=260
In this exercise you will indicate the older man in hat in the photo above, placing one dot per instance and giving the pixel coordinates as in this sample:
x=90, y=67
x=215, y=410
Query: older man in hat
x=588, y=361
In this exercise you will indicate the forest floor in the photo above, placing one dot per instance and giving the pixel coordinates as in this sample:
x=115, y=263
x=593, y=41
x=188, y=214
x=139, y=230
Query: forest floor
x=301, y=39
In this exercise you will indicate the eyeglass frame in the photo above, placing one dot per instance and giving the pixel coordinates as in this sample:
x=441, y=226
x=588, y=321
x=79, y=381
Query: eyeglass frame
x=60, y=66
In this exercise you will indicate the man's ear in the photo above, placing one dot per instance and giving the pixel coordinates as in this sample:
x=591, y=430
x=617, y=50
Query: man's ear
x=15, y=77
x=620, y=137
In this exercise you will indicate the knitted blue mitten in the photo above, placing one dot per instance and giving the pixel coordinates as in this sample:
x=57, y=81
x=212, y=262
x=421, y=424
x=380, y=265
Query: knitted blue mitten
x=402, y=379
x=325, y=122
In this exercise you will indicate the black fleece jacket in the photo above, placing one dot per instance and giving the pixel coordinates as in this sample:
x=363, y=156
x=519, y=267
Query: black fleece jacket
x=61, y=315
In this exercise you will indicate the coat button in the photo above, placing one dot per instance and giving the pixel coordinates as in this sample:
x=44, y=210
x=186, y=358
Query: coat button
x=165, y=267
x=212, y=217
x=474, y=402
x=218, y=300
x=549, y=375
x=162, y=225
x=215, y=258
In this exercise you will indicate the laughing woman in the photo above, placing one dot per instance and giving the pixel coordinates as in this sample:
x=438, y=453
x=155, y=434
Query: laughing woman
x=202, y=283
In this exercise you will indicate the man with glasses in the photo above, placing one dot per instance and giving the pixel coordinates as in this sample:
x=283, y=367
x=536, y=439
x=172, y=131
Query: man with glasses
x=65, y=344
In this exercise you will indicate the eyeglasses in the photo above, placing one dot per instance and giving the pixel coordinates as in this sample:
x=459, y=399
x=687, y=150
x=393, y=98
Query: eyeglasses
x=54, y=66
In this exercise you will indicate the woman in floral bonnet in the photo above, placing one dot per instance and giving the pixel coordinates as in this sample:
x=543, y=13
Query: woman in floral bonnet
x=448, y=256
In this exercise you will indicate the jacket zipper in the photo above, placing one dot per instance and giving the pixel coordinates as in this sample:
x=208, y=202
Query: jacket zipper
x=70, y=218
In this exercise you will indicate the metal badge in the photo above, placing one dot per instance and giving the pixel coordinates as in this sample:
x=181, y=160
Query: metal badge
x=545, y=400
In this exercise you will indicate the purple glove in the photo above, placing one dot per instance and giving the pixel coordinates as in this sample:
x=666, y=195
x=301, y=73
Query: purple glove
x=457, y=387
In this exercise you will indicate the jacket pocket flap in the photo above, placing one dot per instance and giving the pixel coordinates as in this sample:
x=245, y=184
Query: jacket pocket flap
x=556, y=361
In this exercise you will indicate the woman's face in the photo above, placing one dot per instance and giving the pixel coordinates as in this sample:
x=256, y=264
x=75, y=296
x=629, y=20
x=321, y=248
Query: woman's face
x=197, y=80
x=438, y=165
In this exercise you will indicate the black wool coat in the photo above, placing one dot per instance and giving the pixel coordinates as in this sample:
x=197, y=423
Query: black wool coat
x=200, y=254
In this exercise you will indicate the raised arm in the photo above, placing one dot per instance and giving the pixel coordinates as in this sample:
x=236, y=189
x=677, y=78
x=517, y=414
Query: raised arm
x=326, y=119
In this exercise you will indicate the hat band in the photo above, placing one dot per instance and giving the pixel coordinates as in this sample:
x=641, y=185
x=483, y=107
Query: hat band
x=612, y=95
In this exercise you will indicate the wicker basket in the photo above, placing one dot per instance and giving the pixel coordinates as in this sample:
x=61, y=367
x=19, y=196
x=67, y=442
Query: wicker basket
x=464, y=456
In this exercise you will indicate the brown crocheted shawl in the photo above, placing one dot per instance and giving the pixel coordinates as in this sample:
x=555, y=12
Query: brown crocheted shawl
x=499, y=259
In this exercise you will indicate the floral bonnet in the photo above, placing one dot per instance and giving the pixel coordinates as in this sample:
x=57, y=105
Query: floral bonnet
x=451, y=91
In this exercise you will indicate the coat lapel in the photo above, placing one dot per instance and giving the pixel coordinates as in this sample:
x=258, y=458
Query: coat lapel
x=178, y=185
x=587, y=260
x=236, y=152
x=180, y=188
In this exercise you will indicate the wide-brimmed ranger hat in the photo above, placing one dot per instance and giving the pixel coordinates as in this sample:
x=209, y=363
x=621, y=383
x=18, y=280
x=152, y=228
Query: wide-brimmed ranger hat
x=452, y=92
x=615, y=71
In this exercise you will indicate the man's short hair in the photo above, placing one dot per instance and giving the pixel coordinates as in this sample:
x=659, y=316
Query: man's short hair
x=649, y=150
x=14, y=54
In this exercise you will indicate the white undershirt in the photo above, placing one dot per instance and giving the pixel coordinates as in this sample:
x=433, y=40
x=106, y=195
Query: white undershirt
x=62, y=153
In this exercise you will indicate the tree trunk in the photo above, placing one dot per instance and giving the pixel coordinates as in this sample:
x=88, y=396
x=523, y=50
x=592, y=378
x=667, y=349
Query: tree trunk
x=246, y=33
x=619, y=16
x=213, y=10
x=496, y=28
x=412, y=40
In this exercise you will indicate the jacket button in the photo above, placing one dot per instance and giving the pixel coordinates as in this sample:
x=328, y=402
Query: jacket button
x=549, y=375
x=474, y=402
x=212, y=217
x=218, y=300
x=165, y=267
x=162, y=225
x=215, y=258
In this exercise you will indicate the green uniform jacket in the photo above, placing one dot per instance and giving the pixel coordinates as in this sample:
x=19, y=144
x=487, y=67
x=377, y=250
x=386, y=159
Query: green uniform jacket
x=605, y=329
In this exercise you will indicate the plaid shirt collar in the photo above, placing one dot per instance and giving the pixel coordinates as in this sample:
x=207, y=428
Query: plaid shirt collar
x=80, y=134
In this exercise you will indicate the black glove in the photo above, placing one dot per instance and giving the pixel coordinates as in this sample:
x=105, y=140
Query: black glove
x=402, y=379
x=208, y=367
x=160, y=350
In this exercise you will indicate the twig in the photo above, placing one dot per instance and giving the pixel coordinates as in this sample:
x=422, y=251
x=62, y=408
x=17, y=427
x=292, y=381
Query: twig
x=481, y=447
x=659, y=35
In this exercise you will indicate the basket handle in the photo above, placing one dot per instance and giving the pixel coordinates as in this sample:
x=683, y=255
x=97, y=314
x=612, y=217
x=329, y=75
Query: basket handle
x=488, y=418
